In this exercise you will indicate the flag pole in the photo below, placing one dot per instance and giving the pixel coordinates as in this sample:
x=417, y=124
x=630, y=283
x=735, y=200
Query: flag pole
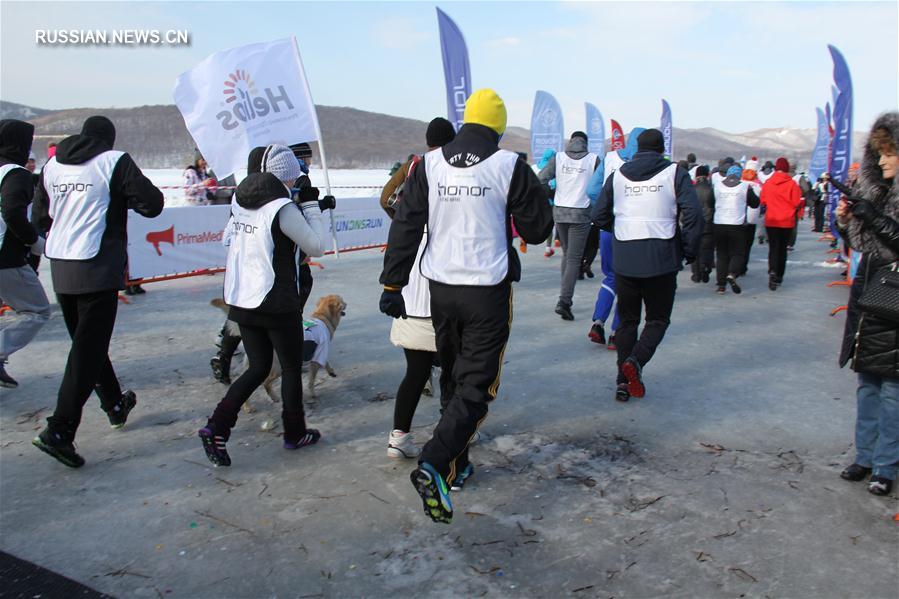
x=321, y=141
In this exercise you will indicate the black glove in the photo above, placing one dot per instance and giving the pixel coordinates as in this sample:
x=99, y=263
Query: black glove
x=393, y=304
x=307, y=194
x=863, y=210
x=327, y=203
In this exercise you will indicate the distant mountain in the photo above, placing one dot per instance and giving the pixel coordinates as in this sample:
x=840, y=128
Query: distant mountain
x=156, y=137
x=11, y=110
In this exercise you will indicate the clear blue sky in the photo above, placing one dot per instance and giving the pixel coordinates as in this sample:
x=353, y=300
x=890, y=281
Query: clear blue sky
x=735, y=66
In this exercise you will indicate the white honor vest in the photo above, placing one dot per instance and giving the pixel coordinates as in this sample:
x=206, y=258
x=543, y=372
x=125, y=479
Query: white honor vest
x=5, y=170
x=572, y=178
x=730, y=203
x=612, y=163
x=467, y=214
x=249, y=273
x=79, y=200
x=753, y=214
x=645, y=209
x=417, y=294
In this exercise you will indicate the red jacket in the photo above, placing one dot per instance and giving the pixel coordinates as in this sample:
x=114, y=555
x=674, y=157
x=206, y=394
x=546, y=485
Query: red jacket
x=781, y=198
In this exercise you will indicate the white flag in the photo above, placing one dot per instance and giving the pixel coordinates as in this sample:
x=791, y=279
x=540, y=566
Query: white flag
x=245, y=97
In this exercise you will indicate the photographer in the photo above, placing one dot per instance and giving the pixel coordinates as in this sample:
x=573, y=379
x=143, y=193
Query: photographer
x=869, y=221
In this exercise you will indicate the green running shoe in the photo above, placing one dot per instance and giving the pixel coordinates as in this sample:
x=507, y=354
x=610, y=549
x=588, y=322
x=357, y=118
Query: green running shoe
x=434, y=493
x=58, y=446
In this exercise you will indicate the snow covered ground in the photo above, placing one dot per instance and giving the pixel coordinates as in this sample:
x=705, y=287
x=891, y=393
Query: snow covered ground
x=345, y=183
x=721, y=482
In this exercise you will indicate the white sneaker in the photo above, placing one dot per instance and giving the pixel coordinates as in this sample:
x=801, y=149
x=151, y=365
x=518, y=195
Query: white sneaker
x=400, y=445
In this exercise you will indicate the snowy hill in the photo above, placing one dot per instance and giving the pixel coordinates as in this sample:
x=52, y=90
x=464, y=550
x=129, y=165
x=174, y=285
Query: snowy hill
x=356, y=139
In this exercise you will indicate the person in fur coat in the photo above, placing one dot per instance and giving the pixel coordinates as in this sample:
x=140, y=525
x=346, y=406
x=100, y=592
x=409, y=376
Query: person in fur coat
x=869, y=220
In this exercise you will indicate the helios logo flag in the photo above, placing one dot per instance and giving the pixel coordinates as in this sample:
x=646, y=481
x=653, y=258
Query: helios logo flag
x=667, y=130
x=245, y=97
x=596, y=130
x=456, y=69
x=547, y=127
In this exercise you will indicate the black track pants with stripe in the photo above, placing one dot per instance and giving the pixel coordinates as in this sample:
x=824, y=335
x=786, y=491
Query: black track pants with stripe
x=472, y=325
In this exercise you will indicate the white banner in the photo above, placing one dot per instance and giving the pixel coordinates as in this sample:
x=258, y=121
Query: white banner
x=181, y=239
x=245, y=97
x=187, y=238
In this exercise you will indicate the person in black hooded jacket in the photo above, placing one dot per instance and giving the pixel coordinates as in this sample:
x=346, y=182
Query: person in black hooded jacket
x=870, y=224
x=261, y=288
x=82, y=200
x=651, y=207
x=19, y=286
x=705, y=262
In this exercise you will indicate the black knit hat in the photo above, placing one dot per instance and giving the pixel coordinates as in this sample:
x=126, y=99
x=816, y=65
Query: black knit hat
x=254, y=160
x=440, y=132
x=651, y=140
x=580, y=134
x=702, y=171
x=99, y=127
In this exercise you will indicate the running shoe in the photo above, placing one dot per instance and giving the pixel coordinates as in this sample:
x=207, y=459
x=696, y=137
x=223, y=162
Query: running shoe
x=632, y=371
x=400, y=445
x=549, y=252
x=597, y=333
x=523, y=247
x=855, y=473
x=118, y=416
x=434, y=493
x=214, y=445
x=564, y=311
x=55, y=445
x=6, y=381
x=879, y=485
x=733, y=285
x=310, y=437
x=720, y=290
x=621, y=393
x=461, y=477
x=611, y=345
x=221, y=369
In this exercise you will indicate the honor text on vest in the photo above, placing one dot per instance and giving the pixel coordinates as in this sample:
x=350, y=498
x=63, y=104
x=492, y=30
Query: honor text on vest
x=636, y=190
x=244, y=228
x=455, y=193
x=61, y=189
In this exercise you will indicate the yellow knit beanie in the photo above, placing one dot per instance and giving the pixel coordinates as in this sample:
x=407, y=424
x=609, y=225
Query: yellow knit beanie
x=486, y=108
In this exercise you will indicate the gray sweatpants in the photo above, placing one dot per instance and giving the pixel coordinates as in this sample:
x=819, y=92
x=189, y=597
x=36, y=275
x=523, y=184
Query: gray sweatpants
x=574, y=239
x=21, y=290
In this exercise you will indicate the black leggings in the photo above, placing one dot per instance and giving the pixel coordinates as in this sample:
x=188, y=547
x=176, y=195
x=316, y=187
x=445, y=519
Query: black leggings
x=418, y=371
x=259, y=344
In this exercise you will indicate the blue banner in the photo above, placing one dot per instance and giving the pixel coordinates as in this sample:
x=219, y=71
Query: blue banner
x=456, y=70
x=667, y=130
x=841, y=150
x=596, y=130
x=547, y=128
x=818, y=163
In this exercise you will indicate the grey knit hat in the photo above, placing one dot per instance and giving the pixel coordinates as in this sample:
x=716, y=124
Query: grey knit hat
x=280, y=161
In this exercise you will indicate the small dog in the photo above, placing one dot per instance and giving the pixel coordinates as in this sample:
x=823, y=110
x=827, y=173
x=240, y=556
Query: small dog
x=318, y=333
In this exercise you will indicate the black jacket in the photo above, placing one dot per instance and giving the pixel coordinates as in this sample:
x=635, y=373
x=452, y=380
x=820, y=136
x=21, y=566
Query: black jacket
x=527, y=203
x=870, y=342
x=16, y=192
x=281, y=306
x=644, y=258
x=128, y=188
x=706, y=196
